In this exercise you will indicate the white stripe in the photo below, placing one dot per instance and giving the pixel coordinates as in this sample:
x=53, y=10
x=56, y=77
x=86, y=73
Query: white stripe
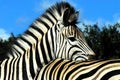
x=41, y=26
x=46, y=21
x=18, y=49
x=20, y=68
x=46, y=50
x=2, y=67
x=54, y=21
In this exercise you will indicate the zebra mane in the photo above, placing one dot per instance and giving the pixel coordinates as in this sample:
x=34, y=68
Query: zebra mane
x=63, y=11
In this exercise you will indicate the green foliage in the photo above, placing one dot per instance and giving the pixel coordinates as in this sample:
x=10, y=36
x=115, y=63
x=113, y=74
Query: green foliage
x=5, y=46
x=105, y=42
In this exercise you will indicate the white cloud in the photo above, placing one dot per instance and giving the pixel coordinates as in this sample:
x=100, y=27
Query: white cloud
x=116, y=19
x=3, y=34
x=21, y=21
x=88, y=22
x=72, y=2
x=43, y=5
x=99, y=21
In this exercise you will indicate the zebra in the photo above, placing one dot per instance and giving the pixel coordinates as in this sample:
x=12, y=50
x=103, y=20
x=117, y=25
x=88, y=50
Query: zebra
x=52, y=35
x=62, y=69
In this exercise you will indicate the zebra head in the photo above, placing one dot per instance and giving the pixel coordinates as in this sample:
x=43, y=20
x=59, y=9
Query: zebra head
x=70, y=41
x=53, y=35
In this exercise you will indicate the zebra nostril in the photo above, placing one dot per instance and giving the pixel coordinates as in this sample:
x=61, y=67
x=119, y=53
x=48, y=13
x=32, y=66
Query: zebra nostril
x=72, y=39
x=91, y=57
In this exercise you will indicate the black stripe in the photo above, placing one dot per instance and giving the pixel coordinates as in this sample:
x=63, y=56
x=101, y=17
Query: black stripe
x=59, y=10
x=48, y=47
x=26, y=41
x=17, y=52
x=43, y=52
x=78, y=67
x=31, y=57
x=17, y=68
x=31, y=64
x=96, y=69
x=0, y=68
x=62, y=67
x=56, y=37
x=38, y=56
x=81, y=57
x=52, y=37
x=49, y=11
x=62, y=50
x=16, y=43
x=74, y=53
x=10, y=69
x=110, y=74
x=44, y=23
x=43, y=74
x=47, y=17
x=31, y=34
x=55, y=65
x=13, y=73
x=5, y=70
x=24, y=69
x=37, y=29
x=84, y=47
x=73, y=46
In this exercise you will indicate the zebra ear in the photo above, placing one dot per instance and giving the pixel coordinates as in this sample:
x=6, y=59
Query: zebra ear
x=73, y=18
x=66, y=17
x=70, y=18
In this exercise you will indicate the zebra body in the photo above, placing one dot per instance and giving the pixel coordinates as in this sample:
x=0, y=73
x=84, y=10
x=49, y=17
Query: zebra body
x=61, y=69
x=48, y=37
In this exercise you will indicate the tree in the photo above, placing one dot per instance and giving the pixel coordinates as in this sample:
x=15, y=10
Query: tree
x=92, y=34
x=110, y=39
x=5, y=46
x=105, y=42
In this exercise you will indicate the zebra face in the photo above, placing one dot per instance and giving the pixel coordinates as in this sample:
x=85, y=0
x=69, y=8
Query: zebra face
x=71, y=44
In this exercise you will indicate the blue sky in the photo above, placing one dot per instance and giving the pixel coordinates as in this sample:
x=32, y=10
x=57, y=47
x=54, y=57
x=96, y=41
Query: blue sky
x=17, y=15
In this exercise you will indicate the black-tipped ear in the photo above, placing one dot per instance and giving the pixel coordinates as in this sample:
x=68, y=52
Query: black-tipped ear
x=66, y=16
x=73, y=17
x=70, y=18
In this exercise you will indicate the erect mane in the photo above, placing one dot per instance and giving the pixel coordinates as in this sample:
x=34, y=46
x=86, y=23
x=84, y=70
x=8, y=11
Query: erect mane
x=58, y=10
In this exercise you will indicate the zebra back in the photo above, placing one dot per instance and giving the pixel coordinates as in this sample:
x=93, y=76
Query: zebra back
x=53, y=35
x=61, y=69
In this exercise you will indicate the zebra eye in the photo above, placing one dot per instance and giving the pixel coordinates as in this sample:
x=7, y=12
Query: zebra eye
x=72, y=38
